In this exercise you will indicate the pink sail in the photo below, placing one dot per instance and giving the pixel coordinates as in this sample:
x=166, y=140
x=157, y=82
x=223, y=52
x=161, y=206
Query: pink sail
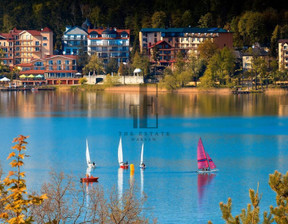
x=201, y=156
x=211, y=163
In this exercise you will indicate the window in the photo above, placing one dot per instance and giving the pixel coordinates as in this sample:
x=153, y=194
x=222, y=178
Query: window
x=50, y=62
x=45, y=44
x=67, y=67
x=59, y=62
x=37, y=49
x=67, y=62
x=59, y=67
x=44, y=38
x=37, y=43
x=74, y=62
x=50, y=67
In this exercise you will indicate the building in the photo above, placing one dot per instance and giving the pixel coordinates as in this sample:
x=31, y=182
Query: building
x=22, y=46
x=186, y=40
x=161, y=53
x=283, y=54
x=74, y=39
x=256, y=51
x=54, y=69
x=109, y=44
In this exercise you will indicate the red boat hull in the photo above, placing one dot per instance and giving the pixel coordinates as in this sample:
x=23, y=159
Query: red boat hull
x=124, y=166
x=89, y=179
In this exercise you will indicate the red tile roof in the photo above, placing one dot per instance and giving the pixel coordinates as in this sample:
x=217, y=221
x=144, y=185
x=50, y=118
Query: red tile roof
x=46, y=29
x=33, y=72
x=160, y=42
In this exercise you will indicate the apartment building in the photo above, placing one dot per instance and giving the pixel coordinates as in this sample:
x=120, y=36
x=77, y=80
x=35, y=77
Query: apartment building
x=162, y=53
x=74, y=40
x=283, y=54
x=186, y=40
x=55, y=69
x=22, y=46
x=109, y=44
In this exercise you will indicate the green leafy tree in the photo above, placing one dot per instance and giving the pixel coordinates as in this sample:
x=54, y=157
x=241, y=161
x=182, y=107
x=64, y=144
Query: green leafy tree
x=141, y=61
x=206, y=20
x=274, y=41
x=251, y=27
x=112, y=66
x=158, y=19
x=187, y=19
x=259, y=68
x=13, y=192
x=82, y=81
x=95, y=65
x=195, y=67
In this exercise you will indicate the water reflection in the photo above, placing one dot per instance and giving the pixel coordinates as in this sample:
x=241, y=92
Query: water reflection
x=204, y=179
x=104, y=104
x=142, y=183
x=120, y=184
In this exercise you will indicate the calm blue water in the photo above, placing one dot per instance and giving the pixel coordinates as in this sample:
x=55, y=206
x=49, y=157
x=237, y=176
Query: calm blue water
x=245, y=147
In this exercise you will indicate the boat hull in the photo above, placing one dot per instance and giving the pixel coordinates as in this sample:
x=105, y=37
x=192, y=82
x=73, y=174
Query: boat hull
x=124, y=166
x=207, y=171
x=89, y=179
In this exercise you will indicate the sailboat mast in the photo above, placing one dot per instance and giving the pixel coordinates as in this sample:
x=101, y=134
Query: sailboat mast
x=207, y=160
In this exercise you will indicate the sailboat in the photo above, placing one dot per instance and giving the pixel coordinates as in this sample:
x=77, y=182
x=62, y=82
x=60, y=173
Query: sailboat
x=89, y=178
x=89, y=164
x=205, y=163
x=120, y=156
x=142, y=164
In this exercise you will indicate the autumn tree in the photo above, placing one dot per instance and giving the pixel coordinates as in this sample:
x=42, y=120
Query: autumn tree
x=13, y=193
x=206, y=20
x=207, y=49
x=95, y=65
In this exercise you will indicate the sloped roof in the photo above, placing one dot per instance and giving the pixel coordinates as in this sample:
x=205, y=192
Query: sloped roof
x=76, y=30
x=46, y=29
x=283, y=41
x=160, y=42
x=185, y=30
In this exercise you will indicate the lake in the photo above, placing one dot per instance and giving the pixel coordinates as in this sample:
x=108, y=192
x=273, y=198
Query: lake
x=245, y=135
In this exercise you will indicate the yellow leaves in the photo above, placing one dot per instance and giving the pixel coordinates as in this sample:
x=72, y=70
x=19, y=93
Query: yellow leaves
x=4, y=215
x=14, y=163
x=12, y=154
x=44, y=196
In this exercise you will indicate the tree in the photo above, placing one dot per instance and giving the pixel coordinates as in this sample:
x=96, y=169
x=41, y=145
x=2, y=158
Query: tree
x=206, y=20
x=187, y=19
x=158, y=19
x=259, y=67
x=82, y=58
x=94, y=65
x=82, y=81
x=112, y=66
x=251, y=27
x=68, y=203
x=274, y=41
x=207, y=49
x=13, y=193
x=278, y=183
x=141, y=61
x=195, y=67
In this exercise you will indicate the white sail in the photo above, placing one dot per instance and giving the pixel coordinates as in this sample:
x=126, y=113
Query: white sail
x=142, y=154
x=120, y=152
x=87, y=154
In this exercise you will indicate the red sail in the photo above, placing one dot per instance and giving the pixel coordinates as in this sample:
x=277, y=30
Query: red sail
x=211, y=163
x=201, y=156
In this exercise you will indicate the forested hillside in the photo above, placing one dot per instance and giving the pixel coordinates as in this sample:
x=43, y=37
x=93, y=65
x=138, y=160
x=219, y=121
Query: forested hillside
x=251, y=21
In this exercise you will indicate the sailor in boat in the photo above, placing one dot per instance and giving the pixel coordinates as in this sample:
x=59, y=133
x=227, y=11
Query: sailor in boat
x=142, y=165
